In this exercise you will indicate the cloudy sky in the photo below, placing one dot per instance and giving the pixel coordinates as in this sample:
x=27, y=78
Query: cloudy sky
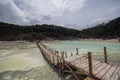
x=76, y=14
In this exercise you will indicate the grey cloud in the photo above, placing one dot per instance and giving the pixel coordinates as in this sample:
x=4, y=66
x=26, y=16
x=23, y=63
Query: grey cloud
x=77, y=14
x=46, y=17
x=9, y=12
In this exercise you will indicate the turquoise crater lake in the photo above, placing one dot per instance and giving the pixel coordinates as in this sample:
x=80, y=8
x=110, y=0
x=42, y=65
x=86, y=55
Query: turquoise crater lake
x=96, y=47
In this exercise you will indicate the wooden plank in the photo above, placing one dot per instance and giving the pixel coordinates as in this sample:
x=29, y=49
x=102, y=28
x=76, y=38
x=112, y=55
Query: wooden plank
x=103, y=71
x=78, y=60
x=116, y=74
x=88, y=78
x=109, y=73
x=77, y=65
x=102, y=66
x=72, y=65
x=100, y=70
x=96, y=66
x=72, y=72
x=93, y=64
x=85, y=68
x=46, y=52
x=82, y=64
x=72, y=58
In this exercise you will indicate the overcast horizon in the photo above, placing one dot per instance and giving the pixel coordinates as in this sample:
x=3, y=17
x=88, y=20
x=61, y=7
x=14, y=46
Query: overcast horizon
x=77, y=14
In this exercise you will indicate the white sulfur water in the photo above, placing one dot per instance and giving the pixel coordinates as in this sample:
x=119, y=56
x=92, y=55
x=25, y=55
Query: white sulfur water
x=20, y=60
x=23, y=61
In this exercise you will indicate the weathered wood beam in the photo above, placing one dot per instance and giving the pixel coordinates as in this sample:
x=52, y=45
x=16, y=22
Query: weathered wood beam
x=90, y=64
x=77, y=51
x=105, y=55
x=72, y=72
x=76, y=72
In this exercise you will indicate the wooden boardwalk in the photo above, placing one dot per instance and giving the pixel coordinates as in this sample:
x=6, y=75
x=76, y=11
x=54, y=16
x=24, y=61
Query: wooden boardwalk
x=79, y=64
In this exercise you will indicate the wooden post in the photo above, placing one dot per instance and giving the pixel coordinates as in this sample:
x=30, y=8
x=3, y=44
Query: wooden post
x=55, y=53
x=90, y=63
x=63, y=63
x=63, y=54
x=57, y=60
x=60, y=61
x=48, y=56
x=66, y=54
x=76, y=51
x=53, y=60
x=71, y=54
x=105, y=55
x=60, y=66
x=50, y=59
x=58, y=55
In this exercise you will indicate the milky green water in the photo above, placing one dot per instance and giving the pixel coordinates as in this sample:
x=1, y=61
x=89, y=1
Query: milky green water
x=84, y=46
x=113, y=48
x=23, y=60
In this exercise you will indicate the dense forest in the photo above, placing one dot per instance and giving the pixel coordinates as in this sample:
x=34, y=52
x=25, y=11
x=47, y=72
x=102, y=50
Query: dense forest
x=108, y=30
x=49, y=32
x=35, y=32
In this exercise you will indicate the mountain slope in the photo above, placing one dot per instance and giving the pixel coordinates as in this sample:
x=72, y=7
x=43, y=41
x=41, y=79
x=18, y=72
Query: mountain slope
x=12, y=32
x=105, y=31
x=40, y=32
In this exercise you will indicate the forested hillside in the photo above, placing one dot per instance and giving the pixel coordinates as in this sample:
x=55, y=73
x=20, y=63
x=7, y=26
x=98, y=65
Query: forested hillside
x=39, y=32
x=35, y=32
x=105, y=31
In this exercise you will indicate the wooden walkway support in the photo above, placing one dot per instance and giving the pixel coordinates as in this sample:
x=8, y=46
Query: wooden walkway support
x=80, y=64
x=105, y=55
x=76, y=51
x=90, y=64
